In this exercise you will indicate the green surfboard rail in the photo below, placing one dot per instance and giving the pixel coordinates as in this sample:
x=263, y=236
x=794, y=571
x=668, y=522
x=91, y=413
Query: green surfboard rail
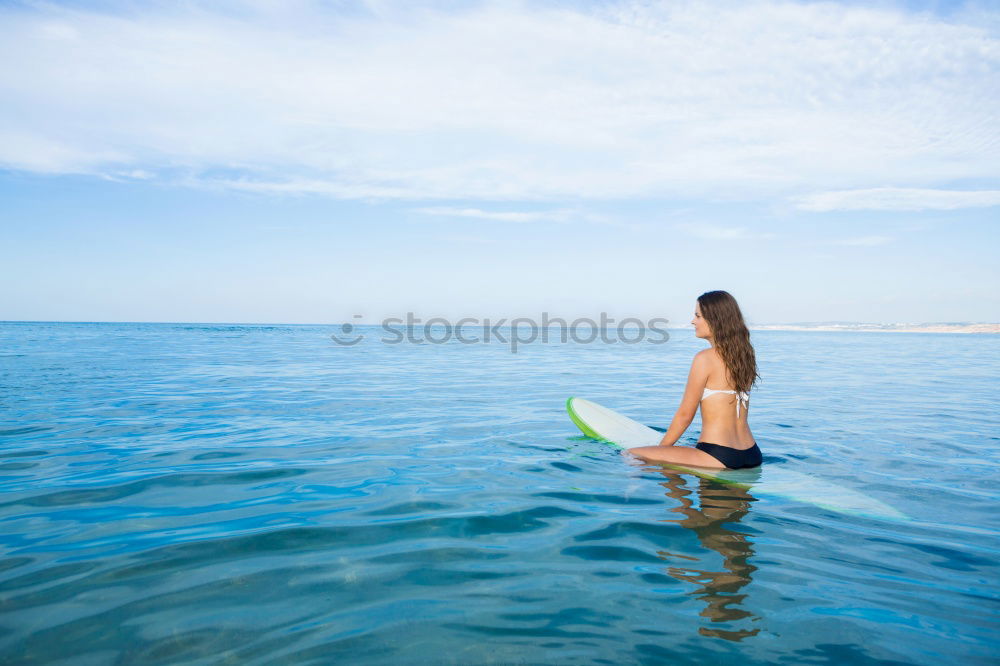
x=584, y=428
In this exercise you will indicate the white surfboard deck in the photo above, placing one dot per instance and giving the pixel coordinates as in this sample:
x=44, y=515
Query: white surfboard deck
x=766, y=480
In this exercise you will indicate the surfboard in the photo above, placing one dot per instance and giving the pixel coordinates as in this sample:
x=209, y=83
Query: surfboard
x=768, y=480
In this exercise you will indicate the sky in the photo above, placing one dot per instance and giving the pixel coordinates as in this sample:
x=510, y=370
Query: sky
x=306, y=162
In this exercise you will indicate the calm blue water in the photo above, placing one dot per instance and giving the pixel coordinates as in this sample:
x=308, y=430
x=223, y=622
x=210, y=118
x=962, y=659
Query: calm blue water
x=210, y=494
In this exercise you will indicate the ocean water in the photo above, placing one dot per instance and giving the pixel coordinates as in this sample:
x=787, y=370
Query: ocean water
x=238, y=494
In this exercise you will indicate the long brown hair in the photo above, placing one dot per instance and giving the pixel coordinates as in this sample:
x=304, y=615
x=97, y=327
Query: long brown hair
x=731, y=337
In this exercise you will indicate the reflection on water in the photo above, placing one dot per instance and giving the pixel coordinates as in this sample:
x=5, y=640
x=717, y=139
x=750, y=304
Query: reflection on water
x=718, y=504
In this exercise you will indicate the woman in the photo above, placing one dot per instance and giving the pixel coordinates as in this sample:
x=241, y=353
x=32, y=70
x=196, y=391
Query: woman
x=729, y=366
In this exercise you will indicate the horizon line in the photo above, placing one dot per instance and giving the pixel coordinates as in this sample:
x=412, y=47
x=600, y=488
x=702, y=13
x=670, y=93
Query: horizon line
x=340, y=323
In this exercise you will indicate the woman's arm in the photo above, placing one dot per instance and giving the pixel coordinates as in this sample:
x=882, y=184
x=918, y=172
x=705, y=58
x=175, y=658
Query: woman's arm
x=697, y=380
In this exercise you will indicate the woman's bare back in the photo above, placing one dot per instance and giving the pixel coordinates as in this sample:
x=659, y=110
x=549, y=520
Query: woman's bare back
x=719, y=423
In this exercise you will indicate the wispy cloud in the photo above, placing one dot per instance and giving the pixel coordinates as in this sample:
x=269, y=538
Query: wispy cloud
x=559, y=215
x=460, y=238
x=502, y=100
x=502, y=216
x=864, y=241
x=717, y=233
x=898, y=198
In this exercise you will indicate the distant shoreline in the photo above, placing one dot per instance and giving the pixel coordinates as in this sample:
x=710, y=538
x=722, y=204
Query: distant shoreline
x=851, y=327
x=881, y=328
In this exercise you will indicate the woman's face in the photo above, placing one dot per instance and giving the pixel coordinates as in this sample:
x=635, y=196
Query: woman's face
x=701, y=327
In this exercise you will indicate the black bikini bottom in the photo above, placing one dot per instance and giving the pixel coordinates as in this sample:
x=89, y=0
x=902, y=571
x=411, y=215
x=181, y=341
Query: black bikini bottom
x=730, y=457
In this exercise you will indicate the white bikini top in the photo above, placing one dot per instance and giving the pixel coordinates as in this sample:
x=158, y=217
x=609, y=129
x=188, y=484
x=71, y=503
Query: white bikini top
x=741, y=397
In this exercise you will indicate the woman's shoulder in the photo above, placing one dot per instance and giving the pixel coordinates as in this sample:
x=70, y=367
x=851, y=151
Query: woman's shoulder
x=710, y=355
x=708, y=361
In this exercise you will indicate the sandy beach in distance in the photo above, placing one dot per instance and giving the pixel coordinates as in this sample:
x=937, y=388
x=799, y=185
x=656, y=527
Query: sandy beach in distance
x=893, y=328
